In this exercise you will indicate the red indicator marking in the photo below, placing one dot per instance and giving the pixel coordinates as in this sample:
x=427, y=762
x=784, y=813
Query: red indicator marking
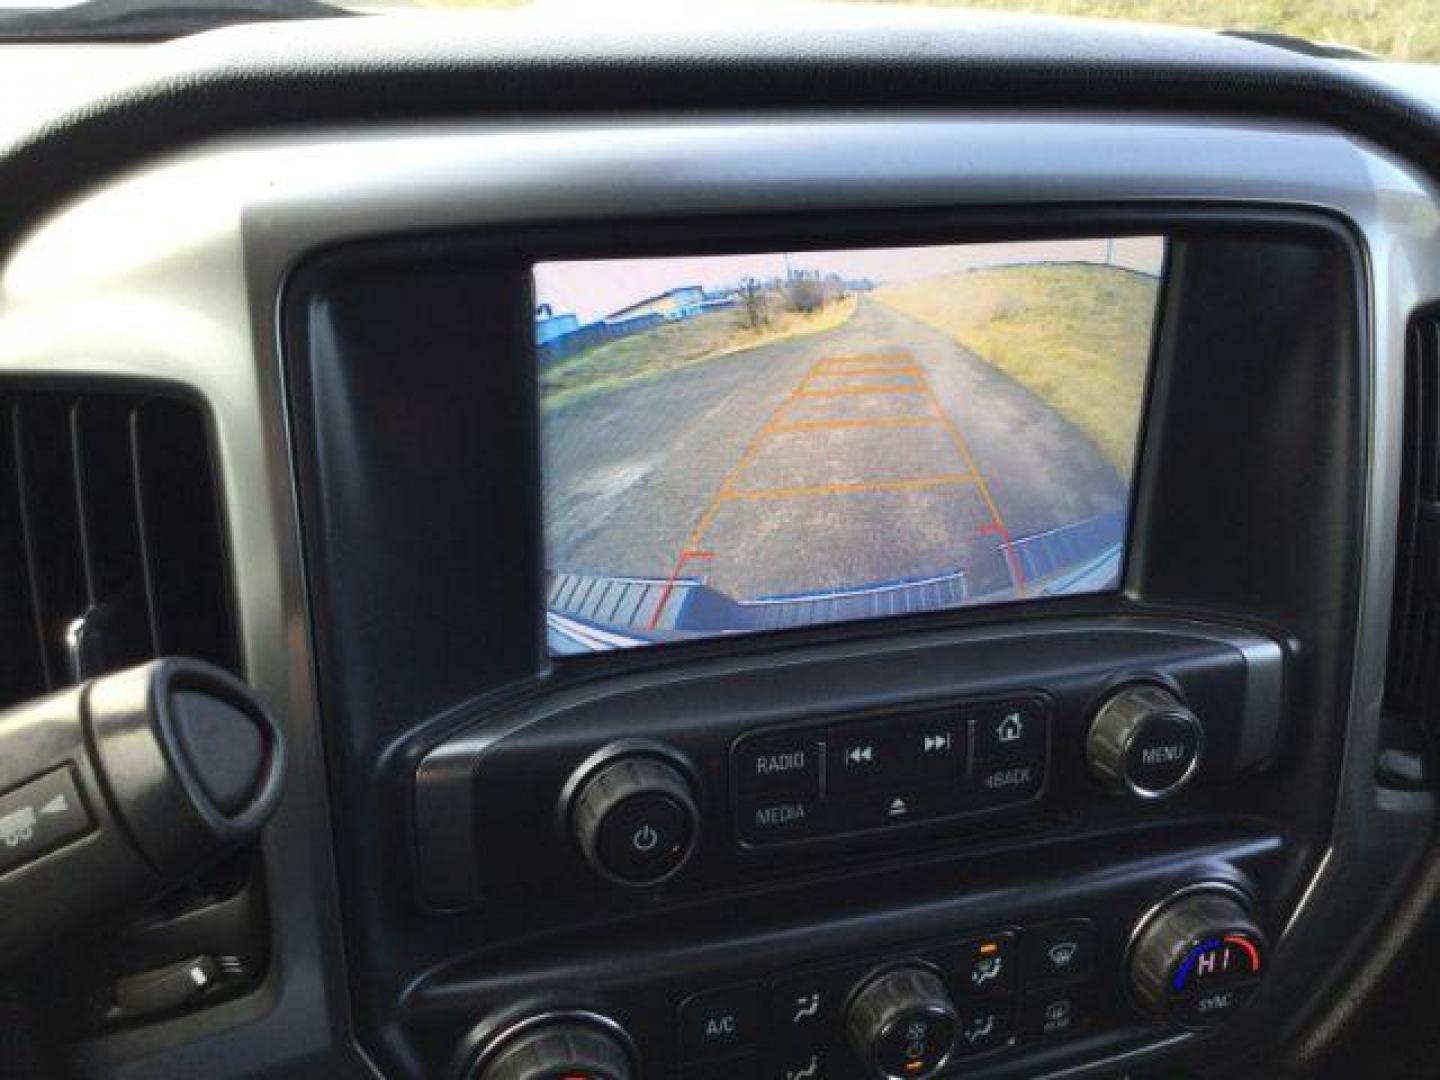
x=1250, y=950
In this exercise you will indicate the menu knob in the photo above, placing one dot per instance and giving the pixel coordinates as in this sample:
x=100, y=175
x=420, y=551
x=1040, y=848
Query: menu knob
x=1144, y=742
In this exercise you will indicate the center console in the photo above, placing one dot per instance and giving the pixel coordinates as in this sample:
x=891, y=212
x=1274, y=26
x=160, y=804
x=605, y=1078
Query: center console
x=653, y=756
x=969, y=750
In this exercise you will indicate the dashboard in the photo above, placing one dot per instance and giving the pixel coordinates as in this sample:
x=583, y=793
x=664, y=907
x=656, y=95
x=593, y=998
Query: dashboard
x=736, y=777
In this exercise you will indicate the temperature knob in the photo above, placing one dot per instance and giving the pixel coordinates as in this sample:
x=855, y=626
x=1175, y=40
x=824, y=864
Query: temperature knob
x=1144, y=742
x=1197, y=959
x=902, y=1024
x=545, y=1048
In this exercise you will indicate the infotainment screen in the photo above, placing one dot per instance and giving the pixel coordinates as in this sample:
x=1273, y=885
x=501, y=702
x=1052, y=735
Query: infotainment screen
x=757, y=442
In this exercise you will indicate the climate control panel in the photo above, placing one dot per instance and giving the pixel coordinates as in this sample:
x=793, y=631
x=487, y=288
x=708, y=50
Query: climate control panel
x=958, y=1005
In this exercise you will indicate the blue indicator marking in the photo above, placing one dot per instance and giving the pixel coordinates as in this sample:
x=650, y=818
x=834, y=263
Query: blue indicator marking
x=1190, y=958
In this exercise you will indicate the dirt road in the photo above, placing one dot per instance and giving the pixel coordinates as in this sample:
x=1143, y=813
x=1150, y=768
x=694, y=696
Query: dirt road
x=874, y=452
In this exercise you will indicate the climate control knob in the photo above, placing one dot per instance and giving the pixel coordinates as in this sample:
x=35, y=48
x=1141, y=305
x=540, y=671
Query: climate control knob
x=1144, y=742
x=635, y=820
x=902, y=1024
x=1196, y=959
x=548, y=1048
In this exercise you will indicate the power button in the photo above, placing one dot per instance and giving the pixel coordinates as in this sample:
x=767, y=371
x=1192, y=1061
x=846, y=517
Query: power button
x=636, y=820
x=644, y=837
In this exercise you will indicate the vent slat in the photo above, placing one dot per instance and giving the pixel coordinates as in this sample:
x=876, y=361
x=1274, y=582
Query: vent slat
x=111, y=540
x=1412, y=684
x=186, y=553
x=22, y=665
x=117, y=630
x=52, y=530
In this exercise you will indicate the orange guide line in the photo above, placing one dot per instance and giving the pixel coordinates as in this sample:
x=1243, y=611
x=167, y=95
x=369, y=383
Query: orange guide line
x=707, y=516
x=859, y=422
x=846, y=391
x=942, y=480
x=841, y=373
x=1017, y=574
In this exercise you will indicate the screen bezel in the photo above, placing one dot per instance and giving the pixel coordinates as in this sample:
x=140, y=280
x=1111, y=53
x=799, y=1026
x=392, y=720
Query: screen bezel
x=500, y=362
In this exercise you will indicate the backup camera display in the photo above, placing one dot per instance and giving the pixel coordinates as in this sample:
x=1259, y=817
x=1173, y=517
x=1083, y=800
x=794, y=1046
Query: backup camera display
x=756, y=442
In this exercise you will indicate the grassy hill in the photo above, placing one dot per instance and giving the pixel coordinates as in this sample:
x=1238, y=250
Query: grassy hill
x=1076, y=334
x=1398, y=29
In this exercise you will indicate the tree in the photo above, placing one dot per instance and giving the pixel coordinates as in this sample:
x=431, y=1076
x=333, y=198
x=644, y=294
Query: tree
x=757, y=304
x=804, y=291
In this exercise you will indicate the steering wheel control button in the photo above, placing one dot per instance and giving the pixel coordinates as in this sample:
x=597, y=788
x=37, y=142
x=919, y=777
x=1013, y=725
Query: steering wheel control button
x=983, y=967
x=719, y=1023
x=572, y=1049
x=1144, y=742
x=1056, y=951
x=1057, y=1013
x=1197, y=959
x=636, y=820
x=40, y=816
x=903, y=1024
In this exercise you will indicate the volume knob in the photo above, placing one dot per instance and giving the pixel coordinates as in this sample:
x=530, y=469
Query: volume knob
x=1144, y=742
x=636, y=820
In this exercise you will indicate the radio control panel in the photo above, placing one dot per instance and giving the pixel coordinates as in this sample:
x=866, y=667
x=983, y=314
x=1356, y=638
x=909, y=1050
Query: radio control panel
x=892, y=770
x=683, y=779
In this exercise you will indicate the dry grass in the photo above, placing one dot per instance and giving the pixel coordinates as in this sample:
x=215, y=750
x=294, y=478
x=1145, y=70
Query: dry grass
x=1077, y=335
x=673, y=346
x=1399, y=29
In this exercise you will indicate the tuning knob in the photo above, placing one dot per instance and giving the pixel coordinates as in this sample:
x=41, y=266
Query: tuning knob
x=636, y=820
x=903, y=1024
x=1144, y=742
x=1196, y=959
x=544, y=1049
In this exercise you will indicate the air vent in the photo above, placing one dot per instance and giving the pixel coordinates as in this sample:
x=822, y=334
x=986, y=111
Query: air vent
x=111, y=543
x=1412, y=686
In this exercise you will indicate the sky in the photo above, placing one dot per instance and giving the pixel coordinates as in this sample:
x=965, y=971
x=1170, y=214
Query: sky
x=594, y=288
